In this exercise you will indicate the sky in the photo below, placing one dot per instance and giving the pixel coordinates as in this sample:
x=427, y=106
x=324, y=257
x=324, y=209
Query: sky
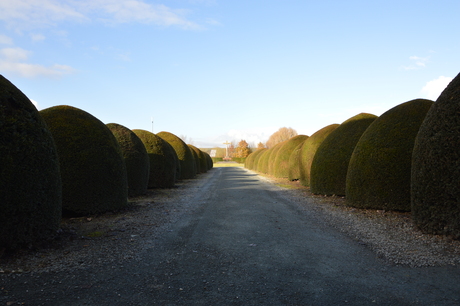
x=213, y=70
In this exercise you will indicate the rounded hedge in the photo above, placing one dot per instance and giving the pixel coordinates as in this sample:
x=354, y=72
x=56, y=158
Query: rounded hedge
x=184, y=155
x=209, y=161
x=202, y=163
x=379, y=172
x=330, y=163
x=30, y=181
x=294, y=163
x=435, y=189
x=281, y=161
x=251, y=159
x=196, y=157
x=308, y=151
x=262, y=165
x=271, y=158
x=136, y=159
x=93, y=170
x=162, y=159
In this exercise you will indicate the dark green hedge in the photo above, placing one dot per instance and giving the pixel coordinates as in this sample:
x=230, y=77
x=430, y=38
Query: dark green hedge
x=202, y=160
x=330, y=163
x=435, y=186
x=163, y=160
x=379, y=172
x=185, y=156
x=196, y=157
x=30, y=182
x=136, y=159
x=281, y=160
x=308, y=151
x=93, y=170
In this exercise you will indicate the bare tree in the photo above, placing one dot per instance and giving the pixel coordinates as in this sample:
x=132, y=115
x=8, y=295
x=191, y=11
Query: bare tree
x=281, y=135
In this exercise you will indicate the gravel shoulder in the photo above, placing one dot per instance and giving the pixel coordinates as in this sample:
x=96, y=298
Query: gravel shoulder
x=117, y=237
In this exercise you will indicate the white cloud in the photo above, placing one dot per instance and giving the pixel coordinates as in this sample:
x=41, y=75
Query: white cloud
x=37, y=37
x=433, y=88
x=30, y=14
x=14, y=54
x=14, y=60
x=417, y=62
x=5, y=40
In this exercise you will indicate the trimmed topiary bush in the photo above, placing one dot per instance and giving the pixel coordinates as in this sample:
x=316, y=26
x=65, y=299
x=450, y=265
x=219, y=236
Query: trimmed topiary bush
x=435, y=188
x=184, y=155
x=294, y=163
x=196, y=157
x=251, y=159
x=271, y=158
x=136, y=159
x=308, y=151
x=209, y=162
x=262, y=165
x=162, y=159
x=379, y=172
x=93, y=171
x=30, y=182
x=281, y=161
x=202, y=163
x=330, y=164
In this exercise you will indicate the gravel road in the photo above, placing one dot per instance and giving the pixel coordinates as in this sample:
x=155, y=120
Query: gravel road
x=238, y=241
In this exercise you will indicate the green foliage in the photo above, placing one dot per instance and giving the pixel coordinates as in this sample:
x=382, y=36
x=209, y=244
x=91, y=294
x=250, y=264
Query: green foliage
x=30, y=182
x=202, y=163
x=281, y=160
x=209, y=162
x=379, y=172
x=294, y=163
x=184, y=154
x=330, y=163
x=308, y=151
x=196, y=157
x=435, y=189
x=240, y=160
x=272, y=157
x=262, y=165
x=93, y=170
x=251, y=159
x=136, y=159
x=163, y=159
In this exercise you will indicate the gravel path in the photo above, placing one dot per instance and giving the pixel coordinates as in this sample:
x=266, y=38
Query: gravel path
x=234, y=238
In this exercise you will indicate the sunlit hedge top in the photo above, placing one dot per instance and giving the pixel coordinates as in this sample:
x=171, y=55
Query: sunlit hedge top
x=30, y=182
x=162, y=158
x=308, y=151
x=436, y=166
x=136, y=159
x=185, y=156
x=330, y=163
x=93, y=171
x=281, y=161
x=379, y=172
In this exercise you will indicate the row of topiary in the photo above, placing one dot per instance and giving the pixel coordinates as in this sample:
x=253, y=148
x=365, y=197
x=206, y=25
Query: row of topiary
x=408, y=159
x=63, y=160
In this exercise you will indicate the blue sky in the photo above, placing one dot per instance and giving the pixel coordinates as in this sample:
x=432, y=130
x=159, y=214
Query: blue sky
x=216, y=70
